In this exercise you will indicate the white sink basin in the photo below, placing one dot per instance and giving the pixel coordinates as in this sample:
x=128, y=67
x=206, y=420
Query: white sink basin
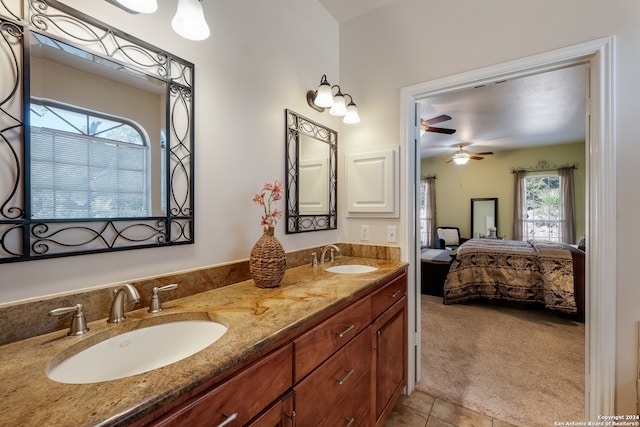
x=137, y=351
x=351, y=269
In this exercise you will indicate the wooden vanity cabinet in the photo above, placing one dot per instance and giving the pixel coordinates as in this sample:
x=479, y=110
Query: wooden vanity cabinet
x=347, y=370
x=390, y=342
x=241, y=398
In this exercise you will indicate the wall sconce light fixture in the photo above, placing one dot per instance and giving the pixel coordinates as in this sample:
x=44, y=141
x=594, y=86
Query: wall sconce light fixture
x=323, y=98
x=188, y=21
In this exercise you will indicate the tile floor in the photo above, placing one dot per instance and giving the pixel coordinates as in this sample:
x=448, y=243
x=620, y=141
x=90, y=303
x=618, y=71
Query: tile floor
x=422, y=410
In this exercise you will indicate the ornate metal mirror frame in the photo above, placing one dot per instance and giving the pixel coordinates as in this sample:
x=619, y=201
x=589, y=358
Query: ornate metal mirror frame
x=23, y=237
x=322, y=213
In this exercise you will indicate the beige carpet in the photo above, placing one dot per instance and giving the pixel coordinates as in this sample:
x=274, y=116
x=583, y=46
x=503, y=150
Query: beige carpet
x=519, y=365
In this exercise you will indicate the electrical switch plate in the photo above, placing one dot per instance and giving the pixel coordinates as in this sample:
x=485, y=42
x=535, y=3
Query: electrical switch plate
x=364, y=233
x=392, y=234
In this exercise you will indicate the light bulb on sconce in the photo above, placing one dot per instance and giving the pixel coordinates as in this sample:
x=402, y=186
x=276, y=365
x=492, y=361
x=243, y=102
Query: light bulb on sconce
x=323, y=98
x=139, y=6
x=188, y=22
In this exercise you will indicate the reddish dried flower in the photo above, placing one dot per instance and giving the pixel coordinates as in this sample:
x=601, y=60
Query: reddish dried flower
x=265, y=200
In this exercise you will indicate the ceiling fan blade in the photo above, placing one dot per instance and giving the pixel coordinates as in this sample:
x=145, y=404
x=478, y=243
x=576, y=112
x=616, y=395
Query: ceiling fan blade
x=449, y=161
x=486, y=153
x=440, y=130
x=438, y=119
x=474, y=157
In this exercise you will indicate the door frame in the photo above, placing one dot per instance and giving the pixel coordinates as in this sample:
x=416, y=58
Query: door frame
x=600, y=277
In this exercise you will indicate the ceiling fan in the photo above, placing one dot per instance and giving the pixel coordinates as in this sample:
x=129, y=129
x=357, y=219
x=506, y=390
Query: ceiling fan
x=427, y=125
x=462, y=156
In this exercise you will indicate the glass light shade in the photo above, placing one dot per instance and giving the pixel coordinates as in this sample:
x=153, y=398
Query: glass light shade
x=352, y=115
x=339, y=107
x=324, y=97
x=189, y=20
x=460, y=158
x=140, y=6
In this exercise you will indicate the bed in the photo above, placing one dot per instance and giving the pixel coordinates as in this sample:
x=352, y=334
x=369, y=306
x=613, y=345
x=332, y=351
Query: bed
x=524, y=271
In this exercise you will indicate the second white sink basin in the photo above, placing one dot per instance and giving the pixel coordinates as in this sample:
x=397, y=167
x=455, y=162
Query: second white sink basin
x=351, y=269
x=137, y=351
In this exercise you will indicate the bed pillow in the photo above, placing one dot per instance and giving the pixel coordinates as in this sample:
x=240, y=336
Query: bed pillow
x=582, y=243
x=450, y=236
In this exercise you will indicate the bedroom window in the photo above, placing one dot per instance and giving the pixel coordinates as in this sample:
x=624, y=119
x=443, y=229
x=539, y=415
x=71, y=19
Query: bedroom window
x=86, y=164
x=542, y=219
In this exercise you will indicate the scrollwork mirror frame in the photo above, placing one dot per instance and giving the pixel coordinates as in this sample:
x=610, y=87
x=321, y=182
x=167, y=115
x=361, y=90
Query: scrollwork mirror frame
x=23, y=238
x=297, y=222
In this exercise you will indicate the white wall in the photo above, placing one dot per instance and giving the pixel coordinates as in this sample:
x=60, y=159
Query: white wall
x=261, y=58
x=413, y=41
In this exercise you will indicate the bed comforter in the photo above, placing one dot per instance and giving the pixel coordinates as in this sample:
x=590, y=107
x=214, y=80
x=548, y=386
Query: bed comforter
x=530, y=271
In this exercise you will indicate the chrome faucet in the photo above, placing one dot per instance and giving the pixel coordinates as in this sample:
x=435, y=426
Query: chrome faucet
x=78, y=321
x=154, y=304
x=333, y=249
x=116, y=315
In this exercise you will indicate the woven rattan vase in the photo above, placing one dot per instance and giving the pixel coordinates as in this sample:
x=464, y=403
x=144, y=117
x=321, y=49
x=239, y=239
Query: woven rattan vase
x=267, y=261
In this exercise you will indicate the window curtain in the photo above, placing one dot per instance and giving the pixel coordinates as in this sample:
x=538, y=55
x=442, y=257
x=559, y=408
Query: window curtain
x=428, y=208
x=567, y=214
x=518, y=203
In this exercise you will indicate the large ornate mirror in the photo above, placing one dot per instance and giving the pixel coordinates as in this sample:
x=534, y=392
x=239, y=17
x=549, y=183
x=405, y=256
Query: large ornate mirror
x=484, y=216
x=96, y=137
x=311, y=187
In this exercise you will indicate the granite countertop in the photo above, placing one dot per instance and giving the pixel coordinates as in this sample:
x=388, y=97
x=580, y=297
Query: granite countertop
x=256, y=318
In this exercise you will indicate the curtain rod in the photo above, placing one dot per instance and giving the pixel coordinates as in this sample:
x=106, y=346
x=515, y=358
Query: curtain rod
x=428, y=176
x=544, y=165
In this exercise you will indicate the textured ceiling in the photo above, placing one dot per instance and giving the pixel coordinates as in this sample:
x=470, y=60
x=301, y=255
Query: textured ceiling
x=542, y=109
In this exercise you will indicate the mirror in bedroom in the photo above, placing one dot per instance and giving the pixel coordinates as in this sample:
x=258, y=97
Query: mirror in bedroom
x=96, y=154
x=484, y=217
x=311, y=187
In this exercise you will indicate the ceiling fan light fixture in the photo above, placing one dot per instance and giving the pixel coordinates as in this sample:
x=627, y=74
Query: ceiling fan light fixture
x=461, y=158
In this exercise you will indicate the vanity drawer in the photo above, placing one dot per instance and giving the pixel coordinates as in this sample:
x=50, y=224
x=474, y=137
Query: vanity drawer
x=386, y=296
x=242, y=397
x=353, y=410
x=322, y=341
x=317, y=395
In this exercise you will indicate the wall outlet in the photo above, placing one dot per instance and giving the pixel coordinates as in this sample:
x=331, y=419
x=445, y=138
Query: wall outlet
x=392, y=234
x=364, y=233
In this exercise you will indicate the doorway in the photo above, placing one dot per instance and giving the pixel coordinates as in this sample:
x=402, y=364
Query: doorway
x=600, y=305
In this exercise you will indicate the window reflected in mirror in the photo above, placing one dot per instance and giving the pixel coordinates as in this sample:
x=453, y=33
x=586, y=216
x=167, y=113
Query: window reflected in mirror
x=97, y=153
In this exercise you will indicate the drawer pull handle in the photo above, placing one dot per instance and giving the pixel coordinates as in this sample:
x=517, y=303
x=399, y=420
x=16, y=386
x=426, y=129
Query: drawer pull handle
x=346, y=331
x=395, y=294
x=349, y=421
x=349, y=373
x=229, y=419
x=292, y=415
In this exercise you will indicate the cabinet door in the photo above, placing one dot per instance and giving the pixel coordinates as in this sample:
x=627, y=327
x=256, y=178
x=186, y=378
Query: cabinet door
x=280, y=414
x=238, y=400
x=390, y=359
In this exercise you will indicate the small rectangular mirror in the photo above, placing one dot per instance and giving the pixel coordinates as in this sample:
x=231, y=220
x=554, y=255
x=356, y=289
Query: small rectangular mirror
x=311, y=187
x=484, y=217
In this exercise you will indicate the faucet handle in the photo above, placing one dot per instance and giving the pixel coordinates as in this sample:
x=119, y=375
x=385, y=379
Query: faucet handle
x=154, y=304
x=78, y=322
x=314, y=259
